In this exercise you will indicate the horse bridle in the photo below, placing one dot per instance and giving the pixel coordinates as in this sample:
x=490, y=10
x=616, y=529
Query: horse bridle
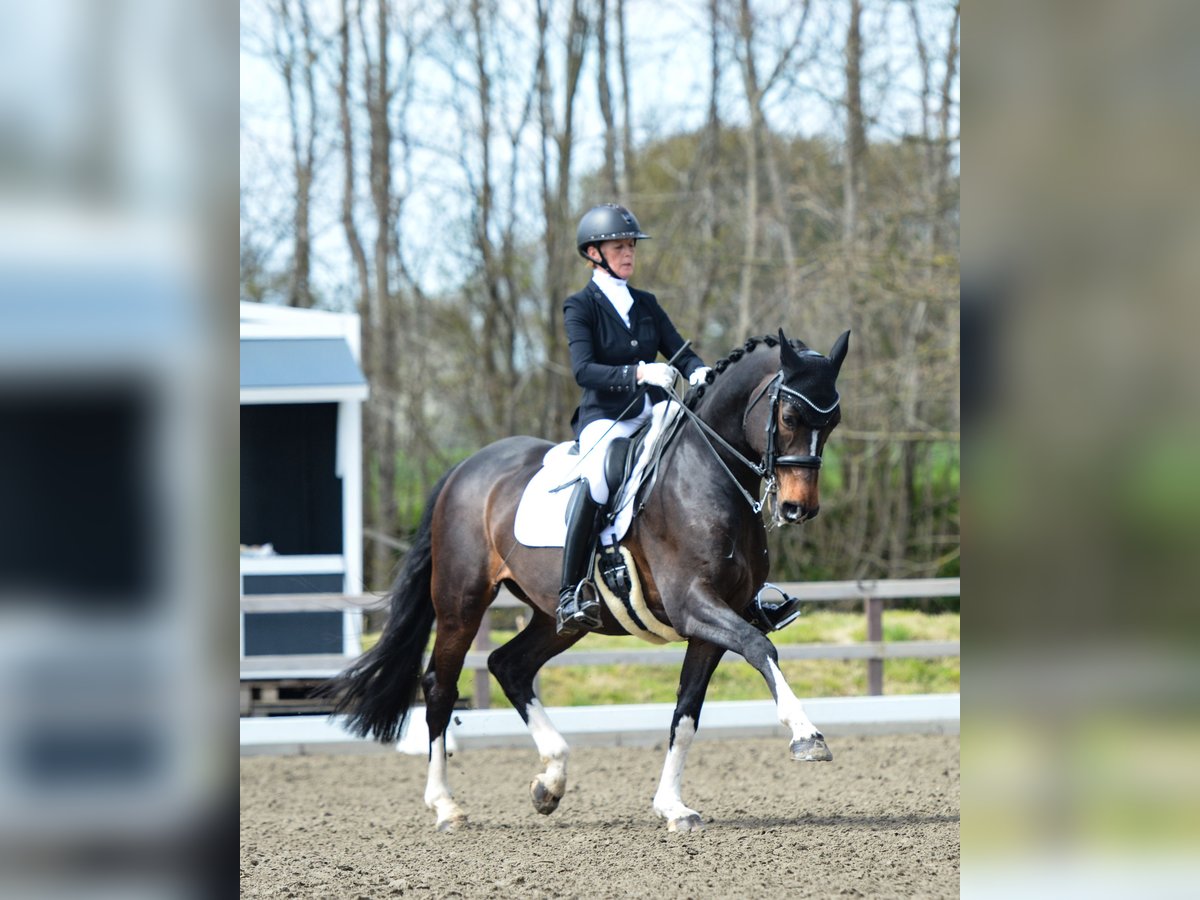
x=777, y=392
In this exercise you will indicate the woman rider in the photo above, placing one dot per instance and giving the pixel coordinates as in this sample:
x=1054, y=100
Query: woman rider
x=614, y=333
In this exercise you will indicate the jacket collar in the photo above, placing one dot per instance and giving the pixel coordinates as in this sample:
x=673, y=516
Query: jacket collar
x=597, y=295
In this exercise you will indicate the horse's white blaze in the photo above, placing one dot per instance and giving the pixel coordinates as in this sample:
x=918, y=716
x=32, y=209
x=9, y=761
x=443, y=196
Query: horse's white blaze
x=437, y=788
x=791, y=713
x=668, y=799
x=812, y=449
x=551, y=746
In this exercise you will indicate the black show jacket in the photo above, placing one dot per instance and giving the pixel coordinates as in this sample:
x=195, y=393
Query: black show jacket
x=605, y=353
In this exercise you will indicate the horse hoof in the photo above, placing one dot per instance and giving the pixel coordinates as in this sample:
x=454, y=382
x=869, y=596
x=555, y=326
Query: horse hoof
x=813, y=749
x=686, y=823
x=543, y=801
x=447, y=826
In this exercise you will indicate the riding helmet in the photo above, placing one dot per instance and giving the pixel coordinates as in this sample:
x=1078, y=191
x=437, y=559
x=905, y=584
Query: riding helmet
x=609, y=222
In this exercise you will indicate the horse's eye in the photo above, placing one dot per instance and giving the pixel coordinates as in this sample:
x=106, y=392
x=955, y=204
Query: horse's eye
x=789, y=420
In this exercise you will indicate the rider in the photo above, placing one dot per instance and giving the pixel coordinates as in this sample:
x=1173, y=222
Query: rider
x=614, y=333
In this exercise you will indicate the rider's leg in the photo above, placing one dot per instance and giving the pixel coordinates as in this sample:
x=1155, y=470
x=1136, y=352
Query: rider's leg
x=578, y=605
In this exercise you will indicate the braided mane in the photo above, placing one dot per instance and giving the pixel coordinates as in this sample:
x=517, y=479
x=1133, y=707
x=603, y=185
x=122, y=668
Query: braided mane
x=693, y=396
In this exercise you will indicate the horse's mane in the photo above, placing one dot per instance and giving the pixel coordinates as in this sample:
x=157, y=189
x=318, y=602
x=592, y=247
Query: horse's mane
x=693, y=396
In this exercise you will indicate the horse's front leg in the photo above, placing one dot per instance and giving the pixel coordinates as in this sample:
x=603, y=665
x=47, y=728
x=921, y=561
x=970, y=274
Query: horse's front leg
x=716, y=622
x=698, y=665
x=808, y=744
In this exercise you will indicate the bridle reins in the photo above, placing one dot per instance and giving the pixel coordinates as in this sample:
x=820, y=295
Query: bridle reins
x=777, y=393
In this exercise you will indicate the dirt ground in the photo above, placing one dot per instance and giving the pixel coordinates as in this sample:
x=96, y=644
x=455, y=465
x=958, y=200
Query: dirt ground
x=881, y=820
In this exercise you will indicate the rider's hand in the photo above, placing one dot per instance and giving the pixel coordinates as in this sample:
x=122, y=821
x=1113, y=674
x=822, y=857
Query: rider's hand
x=658, y=374
x=700, y=376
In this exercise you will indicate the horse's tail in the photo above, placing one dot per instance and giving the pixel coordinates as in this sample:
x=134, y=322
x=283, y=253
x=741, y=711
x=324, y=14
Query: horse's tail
x=377, y=691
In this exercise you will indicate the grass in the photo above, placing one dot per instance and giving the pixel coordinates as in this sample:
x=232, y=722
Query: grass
x=736, y=680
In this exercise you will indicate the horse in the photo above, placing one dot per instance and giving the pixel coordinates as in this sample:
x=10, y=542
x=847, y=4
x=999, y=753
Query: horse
x=699, y=543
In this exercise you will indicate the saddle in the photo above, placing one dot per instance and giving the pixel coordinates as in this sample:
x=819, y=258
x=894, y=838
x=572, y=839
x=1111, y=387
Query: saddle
x=619, y=460
x=622, y=457
x=630, y=469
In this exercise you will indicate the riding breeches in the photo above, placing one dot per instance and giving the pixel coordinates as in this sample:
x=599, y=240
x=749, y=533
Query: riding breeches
x=593, y=447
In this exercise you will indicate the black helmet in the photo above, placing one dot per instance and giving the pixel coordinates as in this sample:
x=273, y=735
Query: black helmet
x=609, y=222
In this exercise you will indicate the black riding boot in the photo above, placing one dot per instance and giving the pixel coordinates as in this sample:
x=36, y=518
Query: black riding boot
x=578, y=605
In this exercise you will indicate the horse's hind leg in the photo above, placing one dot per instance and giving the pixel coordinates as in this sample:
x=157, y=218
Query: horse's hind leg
x=440, y=685
x=515, y=664
x=699, y=663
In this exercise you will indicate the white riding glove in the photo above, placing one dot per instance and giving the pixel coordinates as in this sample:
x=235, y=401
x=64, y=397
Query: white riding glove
x=658, y=374
x=699, y=376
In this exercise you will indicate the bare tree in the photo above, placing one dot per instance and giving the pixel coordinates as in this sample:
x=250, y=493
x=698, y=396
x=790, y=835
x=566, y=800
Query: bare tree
x=609, y=176
x=627, y=157
x=558, y=134
x=753, y=135
x=700, y=267
x=936, y=107
x=495, y=343
x=760, y=143
x=349, y=191
x=291, y=46
x=945, y=106
x=371, y=96
x=379, y=344
x=856, y=132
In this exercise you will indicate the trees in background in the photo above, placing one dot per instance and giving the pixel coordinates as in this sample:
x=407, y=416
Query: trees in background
x=287, y=40
x=457, y=245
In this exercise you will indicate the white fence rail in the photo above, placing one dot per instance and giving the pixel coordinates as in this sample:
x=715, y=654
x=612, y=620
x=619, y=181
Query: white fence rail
x=872, y=594
x=636, y=724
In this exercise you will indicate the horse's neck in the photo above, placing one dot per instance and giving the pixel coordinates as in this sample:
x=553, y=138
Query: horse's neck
x=723, y=409
x=725, y=402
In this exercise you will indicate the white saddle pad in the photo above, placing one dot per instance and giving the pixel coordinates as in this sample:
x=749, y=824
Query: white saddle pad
x=542, y=515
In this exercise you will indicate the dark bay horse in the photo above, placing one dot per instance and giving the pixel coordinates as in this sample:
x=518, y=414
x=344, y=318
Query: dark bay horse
x=699, y=543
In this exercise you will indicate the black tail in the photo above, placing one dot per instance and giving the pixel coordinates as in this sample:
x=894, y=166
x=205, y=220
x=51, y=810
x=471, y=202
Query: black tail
x=378, y=690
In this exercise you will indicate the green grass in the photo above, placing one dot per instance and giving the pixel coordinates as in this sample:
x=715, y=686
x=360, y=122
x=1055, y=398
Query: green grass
x=736, y=680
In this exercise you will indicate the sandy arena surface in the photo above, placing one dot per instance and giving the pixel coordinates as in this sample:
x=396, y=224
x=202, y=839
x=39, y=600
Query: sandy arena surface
x=881, y=820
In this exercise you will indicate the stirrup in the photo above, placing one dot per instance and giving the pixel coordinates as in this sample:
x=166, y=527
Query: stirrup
x=579, y=611
x=768, y=613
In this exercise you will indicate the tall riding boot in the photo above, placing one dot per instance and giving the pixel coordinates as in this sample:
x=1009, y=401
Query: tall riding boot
x=578, y=605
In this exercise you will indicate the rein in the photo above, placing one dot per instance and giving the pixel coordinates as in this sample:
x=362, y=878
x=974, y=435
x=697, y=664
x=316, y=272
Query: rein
x=760, y=471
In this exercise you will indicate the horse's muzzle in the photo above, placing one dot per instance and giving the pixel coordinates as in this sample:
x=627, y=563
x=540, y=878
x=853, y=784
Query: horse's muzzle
x=799, y=497
x=794, y=513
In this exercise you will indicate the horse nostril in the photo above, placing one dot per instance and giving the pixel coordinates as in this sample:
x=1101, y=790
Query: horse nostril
x=793, y=512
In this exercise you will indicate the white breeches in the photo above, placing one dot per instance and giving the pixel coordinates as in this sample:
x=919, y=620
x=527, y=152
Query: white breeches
x=593, y=445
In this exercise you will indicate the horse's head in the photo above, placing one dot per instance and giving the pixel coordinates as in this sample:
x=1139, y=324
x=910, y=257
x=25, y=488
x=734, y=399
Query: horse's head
x=804, y=408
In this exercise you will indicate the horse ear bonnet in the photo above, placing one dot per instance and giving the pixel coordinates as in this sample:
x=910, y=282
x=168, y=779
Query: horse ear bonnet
x=814, y=377
x=838, y=354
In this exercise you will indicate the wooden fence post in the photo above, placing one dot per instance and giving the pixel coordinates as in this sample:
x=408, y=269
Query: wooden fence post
x=483, y=643
x=874, y=606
